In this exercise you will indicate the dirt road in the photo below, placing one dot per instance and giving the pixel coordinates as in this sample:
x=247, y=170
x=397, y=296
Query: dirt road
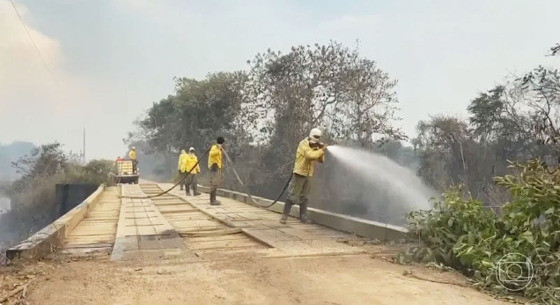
x=247, y=279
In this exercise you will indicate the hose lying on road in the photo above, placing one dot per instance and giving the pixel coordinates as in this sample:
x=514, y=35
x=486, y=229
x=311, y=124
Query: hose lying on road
x=247, y=190
x=175, y=185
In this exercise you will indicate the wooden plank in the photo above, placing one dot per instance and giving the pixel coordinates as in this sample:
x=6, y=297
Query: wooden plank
x=143, y=229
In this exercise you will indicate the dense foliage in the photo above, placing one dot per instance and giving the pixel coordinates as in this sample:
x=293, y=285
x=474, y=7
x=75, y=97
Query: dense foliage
x=517, y=250
x=264, y=112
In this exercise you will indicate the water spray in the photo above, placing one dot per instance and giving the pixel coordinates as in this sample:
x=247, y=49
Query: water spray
x=369, y=185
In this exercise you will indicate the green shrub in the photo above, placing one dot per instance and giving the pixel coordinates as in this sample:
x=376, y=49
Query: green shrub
x=95, y=172
x=518, y=250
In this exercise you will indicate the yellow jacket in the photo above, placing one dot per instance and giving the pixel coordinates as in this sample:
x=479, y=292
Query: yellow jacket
x=306, y=157
x=132, y=154
x=182, y=162
x=215, y=156
x=189, y=163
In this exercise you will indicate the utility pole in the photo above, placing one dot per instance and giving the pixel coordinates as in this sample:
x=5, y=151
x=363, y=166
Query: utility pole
x=84, y=147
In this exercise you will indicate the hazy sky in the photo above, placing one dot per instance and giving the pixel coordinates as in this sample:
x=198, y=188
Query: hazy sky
x=113, y=58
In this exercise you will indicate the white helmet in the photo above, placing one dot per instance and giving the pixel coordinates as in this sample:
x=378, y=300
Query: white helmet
x=315, y=135
x=183, y=151
x=191, y=149
x=133, y=148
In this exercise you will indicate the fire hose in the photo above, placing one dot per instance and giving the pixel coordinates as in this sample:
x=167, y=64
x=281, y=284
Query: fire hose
x=247, y=191
x=185, y=175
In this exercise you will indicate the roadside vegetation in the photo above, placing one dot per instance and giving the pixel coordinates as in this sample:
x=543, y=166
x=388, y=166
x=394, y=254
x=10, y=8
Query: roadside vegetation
x=33, y=194
x=47, y=166
x=515, y=250
x=498, y=220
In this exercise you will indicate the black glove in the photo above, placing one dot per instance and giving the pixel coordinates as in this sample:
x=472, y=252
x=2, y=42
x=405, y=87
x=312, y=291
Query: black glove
x=317, y=145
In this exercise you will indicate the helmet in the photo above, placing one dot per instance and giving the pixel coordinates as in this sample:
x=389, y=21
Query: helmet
x=133, y=148
x=315, y=135
x=191, y=149
x=183, y=151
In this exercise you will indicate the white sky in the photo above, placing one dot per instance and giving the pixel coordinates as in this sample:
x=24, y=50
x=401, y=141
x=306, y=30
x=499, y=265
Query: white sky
x=113, y=58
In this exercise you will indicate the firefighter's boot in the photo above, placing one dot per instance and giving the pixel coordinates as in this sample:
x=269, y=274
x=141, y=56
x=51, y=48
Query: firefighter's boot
x=286, y=213
x=303, y=217
x=213, y=200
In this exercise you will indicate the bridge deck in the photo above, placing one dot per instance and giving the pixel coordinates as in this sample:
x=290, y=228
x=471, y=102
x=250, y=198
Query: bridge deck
x=96, y=232
x=292, y=238
x=175, y=225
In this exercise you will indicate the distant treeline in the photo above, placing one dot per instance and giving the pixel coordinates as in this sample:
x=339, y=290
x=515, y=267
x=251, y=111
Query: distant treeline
x=11, y=153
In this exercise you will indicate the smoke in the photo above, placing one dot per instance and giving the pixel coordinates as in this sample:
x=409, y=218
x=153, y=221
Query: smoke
x=367, y=185
x=4, y=204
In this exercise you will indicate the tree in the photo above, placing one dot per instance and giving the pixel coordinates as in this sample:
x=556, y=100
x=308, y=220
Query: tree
x=46, y=160
x=366, y=105
x=443, y=141
x=555, y=50
x=266, y=112
x=195, y=115
x=46, y=166
x=395, y=150
x=94, y=172
x=518, y=120
x=498, y=117
x=323, y=85
x=540, y=89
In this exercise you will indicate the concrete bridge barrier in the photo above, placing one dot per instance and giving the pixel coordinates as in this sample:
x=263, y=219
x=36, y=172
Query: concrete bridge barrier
x=48, y=239
x=361, y=227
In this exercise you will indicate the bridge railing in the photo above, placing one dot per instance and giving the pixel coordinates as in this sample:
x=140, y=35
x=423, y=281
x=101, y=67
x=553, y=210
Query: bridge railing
x=361, y=227
x=50, y=238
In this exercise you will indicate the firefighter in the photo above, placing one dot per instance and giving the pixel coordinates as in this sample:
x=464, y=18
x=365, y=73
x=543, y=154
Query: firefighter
x=181, y=165
x=132, y=156
x=191, y=161
x=309, y=151
x=215, y=166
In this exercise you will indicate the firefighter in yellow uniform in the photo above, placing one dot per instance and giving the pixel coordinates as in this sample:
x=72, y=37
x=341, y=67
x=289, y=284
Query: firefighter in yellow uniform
x=215, y=166
x=310, y=150
x=182, y=165
x=191, y=161
x=132, y=156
